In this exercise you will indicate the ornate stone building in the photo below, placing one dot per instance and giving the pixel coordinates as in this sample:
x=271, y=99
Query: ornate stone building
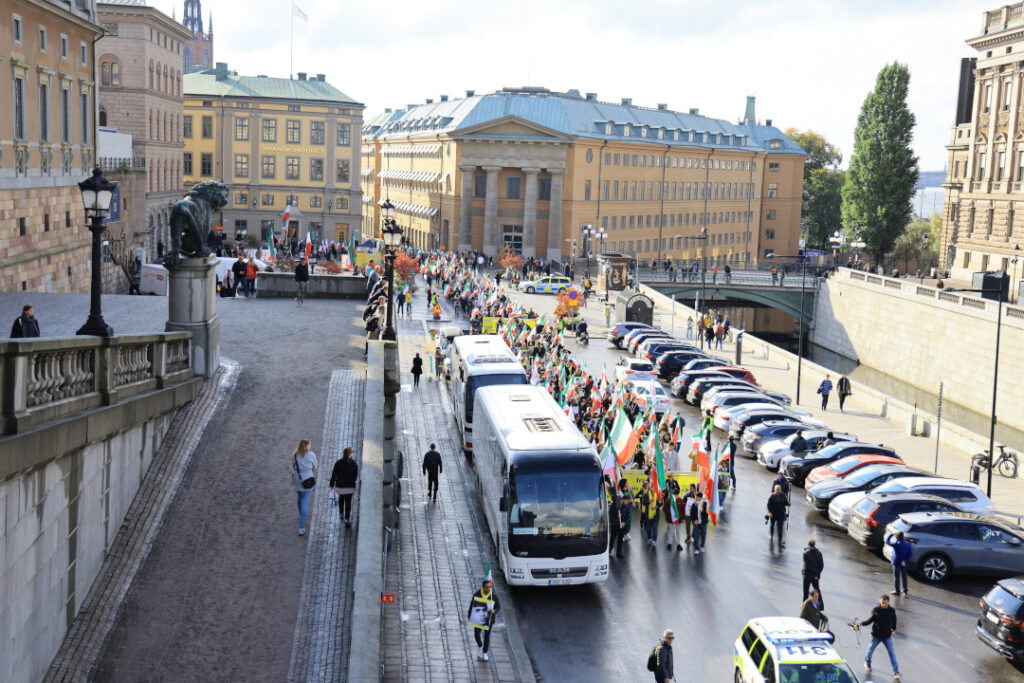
x=140, y=91
x=541, y=171
x=198, y=53
x=47, y=143
x=985, y=175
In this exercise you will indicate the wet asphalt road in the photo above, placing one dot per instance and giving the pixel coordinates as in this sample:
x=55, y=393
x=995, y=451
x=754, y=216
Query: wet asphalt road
x=603, y=632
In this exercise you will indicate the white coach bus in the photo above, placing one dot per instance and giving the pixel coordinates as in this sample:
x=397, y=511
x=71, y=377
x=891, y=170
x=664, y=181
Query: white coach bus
x=541, y=487
x=479, y=360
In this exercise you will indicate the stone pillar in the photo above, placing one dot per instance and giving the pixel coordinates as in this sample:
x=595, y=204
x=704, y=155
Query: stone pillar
x=491, y=237
x=555, y=215
x=192, y=307
x=530, y=213
x=466, y=209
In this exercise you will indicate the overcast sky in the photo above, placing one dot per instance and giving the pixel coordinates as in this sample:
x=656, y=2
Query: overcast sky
x=809, y=62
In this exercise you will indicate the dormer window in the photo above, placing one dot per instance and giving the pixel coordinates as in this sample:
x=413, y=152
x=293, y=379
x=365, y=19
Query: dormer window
x=775, y=144
x=625, y=130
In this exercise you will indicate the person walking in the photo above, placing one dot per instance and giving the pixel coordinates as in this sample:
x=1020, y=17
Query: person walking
x=616, y=522
x=883, y=626
x=343, y=482
x=304, y=467
x=607, y=315
x=649, y=514
x=251, y=269
x=301, y=282
x=686, y=510
x=673, y=525
x=660, y=661
x=825, y=388
x=814, y=563
x=811, y=611
x=627, y=508
x=700, y=523
x=432, y=467
x=730, y=451
x=777, y=513
x=844, y=390
x=689, y=327
x=417, y=370
x=238, y=275
x=408, y=303
x=483, y=609
x=25, y=325
x=902, y=551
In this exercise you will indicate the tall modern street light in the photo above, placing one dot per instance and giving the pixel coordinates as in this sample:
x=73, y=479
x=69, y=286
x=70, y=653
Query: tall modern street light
x=392, y=235
x=800, y=324
x=590, y=234
x=97, y=192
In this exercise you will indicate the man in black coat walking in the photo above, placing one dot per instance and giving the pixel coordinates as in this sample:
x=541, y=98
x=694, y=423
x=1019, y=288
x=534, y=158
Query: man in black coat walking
x=432, y=467
x=813, y=564
x=663, y=664
x=343, y=482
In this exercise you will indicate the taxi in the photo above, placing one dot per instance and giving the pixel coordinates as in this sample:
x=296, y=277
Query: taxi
x=549, y=284
x=788, y=650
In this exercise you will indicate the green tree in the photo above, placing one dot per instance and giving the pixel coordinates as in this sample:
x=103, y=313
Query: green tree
x=883, y=170
x=911, y=245
x=823, y=184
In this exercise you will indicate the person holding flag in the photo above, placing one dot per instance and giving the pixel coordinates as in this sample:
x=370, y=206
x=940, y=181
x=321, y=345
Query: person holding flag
x=672, y=505
x=483, y=609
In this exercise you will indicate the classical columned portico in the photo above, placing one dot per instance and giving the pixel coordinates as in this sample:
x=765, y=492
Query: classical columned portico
x=530, y=212
x=491, y=237
x=555, y=215
x=466, y=208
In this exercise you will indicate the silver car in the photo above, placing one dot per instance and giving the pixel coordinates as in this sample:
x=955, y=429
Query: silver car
x=945, y=543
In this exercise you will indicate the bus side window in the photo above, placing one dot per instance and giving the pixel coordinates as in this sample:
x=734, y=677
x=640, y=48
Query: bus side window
x=503, y=503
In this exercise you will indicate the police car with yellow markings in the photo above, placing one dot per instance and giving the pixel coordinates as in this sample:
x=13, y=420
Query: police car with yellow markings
x=788, y=650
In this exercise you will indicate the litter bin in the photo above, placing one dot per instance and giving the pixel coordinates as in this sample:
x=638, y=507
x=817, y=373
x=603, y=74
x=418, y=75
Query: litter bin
x=975, y=474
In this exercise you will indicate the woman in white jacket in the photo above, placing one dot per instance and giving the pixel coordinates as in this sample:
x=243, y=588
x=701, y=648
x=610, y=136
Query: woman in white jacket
x=304, y=467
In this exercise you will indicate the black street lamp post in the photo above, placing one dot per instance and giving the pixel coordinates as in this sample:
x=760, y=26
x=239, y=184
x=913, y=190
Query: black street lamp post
x=703, y=275
x=800, y=323
x=392, y=239
x=97, y=192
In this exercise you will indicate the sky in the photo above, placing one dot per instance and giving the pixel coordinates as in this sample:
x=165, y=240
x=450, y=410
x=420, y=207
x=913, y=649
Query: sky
x=810, y=63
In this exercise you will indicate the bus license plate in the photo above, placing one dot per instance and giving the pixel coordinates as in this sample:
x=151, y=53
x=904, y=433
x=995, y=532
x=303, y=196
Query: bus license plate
x=559, y=582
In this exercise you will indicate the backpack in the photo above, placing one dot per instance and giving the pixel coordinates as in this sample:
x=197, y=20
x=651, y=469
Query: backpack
x=652, y=659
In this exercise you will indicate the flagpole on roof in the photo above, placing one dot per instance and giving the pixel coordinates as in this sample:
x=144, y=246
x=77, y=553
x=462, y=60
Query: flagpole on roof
x=291, y=39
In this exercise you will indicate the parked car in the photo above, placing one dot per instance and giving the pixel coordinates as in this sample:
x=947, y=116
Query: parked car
x=959, y=543
x=669, y=364
x=702, y=364
x=652, y=350
x=749, y=418
x=637, y=339
x=770, y=453
x=866, y=478
x=724, y=417
x=680, y=384
x=650, y=393
x=966, y=495
x=796, y=468
x=699, y=387
x=874, y=511
x=844, y=466
x=1001, y=622
x=632, y=369
x=634, y=333
x=739, y=373
x=620, y=330
x=549, y=284
x=767, y=431
x=730, y=397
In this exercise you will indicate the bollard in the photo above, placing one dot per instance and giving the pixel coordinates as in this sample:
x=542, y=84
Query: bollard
x=975, y=474
x=739, y=348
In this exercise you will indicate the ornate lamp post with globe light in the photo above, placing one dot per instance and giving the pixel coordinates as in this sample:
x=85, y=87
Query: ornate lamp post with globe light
x=97, y=193
x=392, y=235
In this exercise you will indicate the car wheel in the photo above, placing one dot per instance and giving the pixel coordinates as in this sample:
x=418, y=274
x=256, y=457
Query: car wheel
x=530, y=290
x=935, y=567
x=739, y=676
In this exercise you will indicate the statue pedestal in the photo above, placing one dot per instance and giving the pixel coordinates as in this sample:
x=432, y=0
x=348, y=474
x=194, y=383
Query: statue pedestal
x=192, y=307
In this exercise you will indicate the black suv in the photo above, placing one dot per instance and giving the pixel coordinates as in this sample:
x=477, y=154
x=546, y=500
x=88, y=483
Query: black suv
x=670, y=363
x=1001, y=623
x=873, y=513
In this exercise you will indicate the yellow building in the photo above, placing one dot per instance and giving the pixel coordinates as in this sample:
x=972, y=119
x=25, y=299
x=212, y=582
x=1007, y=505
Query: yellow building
x=542, y=171
x=47, y=143
x=274, y=142
x=985, y=168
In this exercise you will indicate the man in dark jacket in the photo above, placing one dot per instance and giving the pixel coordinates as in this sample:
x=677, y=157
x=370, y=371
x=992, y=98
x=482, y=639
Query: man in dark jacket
x=813, y=564
x=663, y=664
x=432, y=467
x=25, y=325
x=810, y=611
x=301, y=282
x=902, y=551
x=777, y=513
x=616, y=522
x=238, y=275
x=799, y=444
x=883, y=625
x=343, y=482
x=843, y=387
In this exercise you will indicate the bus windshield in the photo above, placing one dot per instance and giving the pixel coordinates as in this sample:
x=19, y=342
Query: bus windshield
x=557, y=513
x=477, y=381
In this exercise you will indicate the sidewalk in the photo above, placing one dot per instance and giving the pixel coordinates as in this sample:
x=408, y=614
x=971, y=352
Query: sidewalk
x=441, y=550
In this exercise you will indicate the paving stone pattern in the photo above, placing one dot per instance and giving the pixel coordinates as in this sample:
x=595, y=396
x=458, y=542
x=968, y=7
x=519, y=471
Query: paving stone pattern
x=130, y=548
x=322, y=631
x=442, y=549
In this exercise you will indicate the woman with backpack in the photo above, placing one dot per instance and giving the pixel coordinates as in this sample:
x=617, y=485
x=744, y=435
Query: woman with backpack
x=304, y=468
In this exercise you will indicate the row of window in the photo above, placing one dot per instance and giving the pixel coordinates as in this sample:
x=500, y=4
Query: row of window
x=293, y=131
x=986, y=226
x=673, y=220
x=513, y=187
x=47, y=223
x=677, y=242
x=634, y=191
x=268, y=167
x=998, y=173
x=339, y=203
x=46, y=131
x=1005, y=99
x=18, y=34
x=615, y=159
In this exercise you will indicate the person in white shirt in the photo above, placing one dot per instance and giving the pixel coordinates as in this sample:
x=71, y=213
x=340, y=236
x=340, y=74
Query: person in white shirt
x=304, y=468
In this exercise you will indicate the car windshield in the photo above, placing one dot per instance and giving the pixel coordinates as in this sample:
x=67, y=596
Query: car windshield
x=845, y=465
x=660, y=391
x=816, y=672
x=864, y=476
x=644, y=367
x=557, y=514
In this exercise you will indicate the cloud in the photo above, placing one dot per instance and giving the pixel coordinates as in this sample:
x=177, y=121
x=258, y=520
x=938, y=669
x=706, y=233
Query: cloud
x=809, y=62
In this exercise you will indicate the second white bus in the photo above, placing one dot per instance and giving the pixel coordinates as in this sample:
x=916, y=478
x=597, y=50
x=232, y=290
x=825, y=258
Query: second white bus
x=479, y=360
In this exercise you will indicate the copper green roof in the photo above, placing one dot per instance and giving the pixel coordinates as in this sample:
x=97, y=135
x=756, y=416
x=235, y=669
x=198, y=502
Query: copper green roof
x=205, y=83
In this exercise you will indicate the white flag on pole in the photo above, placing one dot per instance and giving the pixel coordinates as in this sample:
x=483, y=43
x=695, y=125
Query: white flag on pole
x=296, y=12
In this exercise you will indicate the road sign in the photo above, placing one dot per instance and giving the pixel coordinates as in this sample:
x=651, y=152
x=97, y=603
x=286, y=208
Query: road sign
x=387, y=598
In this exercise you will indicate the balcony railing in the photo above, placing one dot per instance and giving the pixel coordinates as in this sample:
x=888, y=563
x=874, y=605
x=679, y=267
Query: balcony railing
x=124, y=164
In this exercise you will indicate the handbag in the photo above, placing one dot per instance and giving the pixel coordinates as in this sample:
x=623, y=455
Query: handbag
x=307, y=483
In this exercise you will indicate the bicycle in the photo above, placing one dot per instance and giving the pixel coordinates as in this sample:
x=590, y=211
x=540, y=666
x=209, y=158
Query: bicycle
x=1006, y=463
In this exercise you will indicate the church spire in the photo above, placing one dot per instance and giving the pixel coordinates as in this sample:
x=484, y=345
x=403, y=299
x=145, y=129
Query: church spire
x=193, y=17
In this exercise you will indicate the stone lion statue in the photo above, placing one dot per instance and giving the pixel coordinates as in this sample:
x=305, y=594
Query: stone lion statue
x=190, y=221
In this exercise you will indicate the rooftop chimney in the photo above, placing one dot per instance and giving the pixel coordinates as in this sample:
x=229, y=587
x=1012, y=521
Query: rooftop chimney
x=627, y=101
x=301, y=75
x=430, y=101
x=662, y=106
x=221, y=70
x=321, y=77
x=694, y=111
x=768, y=122
x=470, y=93
x=591, y=96
x=444, y=98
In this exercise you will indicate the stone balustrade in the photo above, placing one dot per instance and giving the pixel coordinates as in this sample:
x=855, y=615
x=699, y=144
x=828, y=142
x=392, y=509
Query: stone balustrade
x=50, y=378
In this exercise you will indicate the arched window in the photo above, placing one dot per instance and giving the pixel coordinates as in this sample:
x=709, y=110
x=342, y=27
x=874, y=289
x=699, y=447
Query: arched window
x=103, y=117
x=158, y=75
x=105, y=73
x=166, y=86
x=115, y=73
x=151, y=75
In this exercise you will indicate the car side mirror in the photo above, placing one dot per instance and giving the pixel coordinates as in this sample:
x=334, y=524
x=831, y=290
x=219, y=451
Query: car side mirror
x=1014, y=541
